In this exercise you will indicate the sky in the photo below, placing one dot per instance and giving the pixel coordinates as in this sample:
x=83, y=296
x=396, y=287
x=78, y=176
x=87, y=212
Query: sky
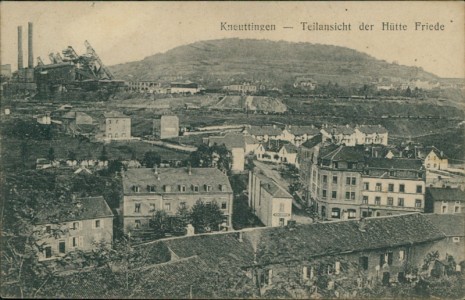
x=129, y=31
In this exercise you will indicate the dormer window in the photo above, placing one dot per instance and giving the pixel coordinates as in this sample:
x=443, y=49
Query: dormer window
x=223, y=187
x=208, y=188
x=167, y=188
x=151, y=188
x=195, y=188
x=182, y=188
x=136, y=188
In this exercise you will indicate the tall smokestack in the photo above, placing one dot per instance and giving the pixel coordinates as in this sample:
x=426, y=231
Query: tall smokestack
x=30, y=61
x=20, y=47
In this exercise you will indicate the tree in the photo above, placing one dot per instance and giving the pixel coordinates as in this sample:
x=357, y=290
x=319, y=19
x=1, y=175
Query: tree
x=103, y=154
x=160, y=223
x=151, y=159
x=51, y=154
x=202, y=157
x=72, y=155
x=206, y=216
x=207, y=157
x=24, y=152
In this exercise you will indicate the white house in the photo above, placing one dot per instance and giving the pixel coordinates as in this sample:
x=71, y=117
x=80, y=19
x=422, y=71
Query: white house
x=436, y=160
x=271, y=203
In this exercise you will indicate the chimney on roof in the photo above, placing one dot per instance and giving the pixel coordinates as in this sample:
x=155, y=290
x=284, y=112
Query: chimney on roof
x=362, y=225
x=155, y=170
x=189, y=170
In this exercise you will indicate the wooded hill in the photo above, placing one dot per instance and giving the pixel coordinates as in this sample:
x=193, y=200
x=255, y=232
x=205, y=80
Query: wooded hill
x=275, y=63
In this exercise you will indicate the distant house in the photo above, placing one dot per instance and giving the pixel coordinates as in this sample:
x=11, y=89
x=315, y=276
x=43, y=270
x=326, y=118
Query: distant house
x=44, y=119
x=187, y=87
x=263, y=133
x=43, y=163
x=298, y=135
x=244, y=88
x=371, y=134
x=305, y=83
x=147, y=190
x=90, y=222
x=114, y=126
x=358, y=135
x=240, y=145
x=340, y=135
x=445, y=200
x=76, y=122
x=277, y=151
x=146, y=86
x=270, y=202
x=435, y=159
x=166, y=127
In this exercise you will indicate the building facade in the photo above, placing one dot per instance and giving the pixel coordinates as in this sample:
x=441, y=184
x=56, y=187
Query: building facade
x=115, y=126
x=93, y=225
x=271, y=203
x=444, y=200
x=148, y=190
x=166, y=127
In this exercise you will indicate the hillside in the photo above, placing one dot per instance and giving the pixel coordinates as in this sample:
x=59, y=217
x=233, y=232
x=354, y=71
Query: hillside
x=218, y=62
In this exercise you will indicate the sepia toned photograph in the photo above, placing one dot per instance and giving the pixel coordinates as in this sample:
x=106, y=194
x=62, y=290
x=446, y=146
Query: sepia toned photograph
x=232, y=150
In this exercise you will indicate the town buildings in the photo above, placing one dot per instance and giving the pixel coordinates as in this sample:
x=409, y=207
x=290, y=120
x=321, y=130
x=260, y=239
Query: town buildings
x=114, y=126
x=146, y=86
x=444, y=200
x=91, y=223
x=358, y=135
x=277, y=151
x=305, y=82
x=184, y=88
x=435, y=159
x=269, y=201
x=147, y=190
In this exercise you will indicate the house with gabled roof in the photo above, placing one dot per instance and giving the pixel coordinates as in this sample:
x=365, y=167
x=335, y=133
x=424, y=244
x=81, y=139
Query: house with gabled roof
x=371, y=134
x=146, y=190
x=444, y=200
x=263, y=133
x=435, y=159
x=114, y=125
x=90, y=221
x=269, y=201
x=277, y=151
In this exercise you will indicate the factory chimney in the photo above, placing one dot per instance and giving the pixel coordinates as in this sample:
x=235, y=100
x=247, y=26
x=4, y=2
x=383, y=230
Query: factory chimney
x=20, y=47
x=30, y=61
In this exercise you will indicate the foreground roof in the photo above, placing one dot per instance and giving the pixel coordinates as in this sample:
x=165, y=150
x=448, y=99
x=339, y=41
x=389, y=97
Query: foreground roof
x=273, y=187
x=343, y=153
x=174, y=177
x=394, y=163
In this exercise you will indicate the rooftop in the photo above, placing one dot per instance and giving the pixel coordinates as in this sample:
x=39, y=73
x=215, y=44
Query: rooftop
x=264, y=130
x=394, y=163
x=312, y=142
x=232, y=140
x=449, y=224
x=82, y=209
x=272, y=187
x=114, y=114
x=446, y=194
x=301, y=130
x=370, y=129
x=174, y=178
x=343, y=153
x=340, y=129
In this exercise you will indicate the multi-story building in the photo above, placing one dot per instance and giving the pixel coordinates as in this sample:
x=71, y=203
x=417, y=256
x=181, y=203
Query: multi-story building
x=298, y=135
x=336, y=179
x=152, y=87
x=277, y=151
x=184, y=88
x=444, y=200
x=115, y=126
x=80, y=231
x=264, y=133
x=392, y=186
x=244, y=88
x=358, y=135
x=270, y=202
x=147, y=190
x=435, y=159
x=166, y=127
x=371, y=134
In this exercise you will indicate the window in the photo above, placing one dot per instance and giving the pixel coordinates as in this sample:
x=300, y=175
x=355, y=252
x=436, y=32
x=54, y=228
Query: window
x=365, y=200
x=135, y=188
x=333, y=194
x=337, y=267
x=48, y=251
x=152, y=189
x=392, y=173
x=363, y=262
x=366, y=186
x=325, y=179
x=400, y=202
x=391, y=187
x=352, y=195
x=152, y=207
x=347, y=195
x=419, y=189
x=224, y=205
x=352, y=213
x=98, y=224
x=334, y=179
x=401, y=188
x=385, y=258
x=347, y=180
x=48, y=229
x=377, y=200
x=167, y=188
x=196, y=188
x=223, y=187
x=401, y=254
x=137, y=224
x=167, y=206
x=208, y=188
x=390, y=201
x=444, y=209
x=62, y=247
x=182, y=188
x=307, y=272
x=266, y=277
x=378, y=187
x=74, y=242
x=354, y=181
x=456, y=239
x=324, y=193
x=336, y=213
x=75, y=226
x=137, y=207
x=417, y=202
x=456, y=209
